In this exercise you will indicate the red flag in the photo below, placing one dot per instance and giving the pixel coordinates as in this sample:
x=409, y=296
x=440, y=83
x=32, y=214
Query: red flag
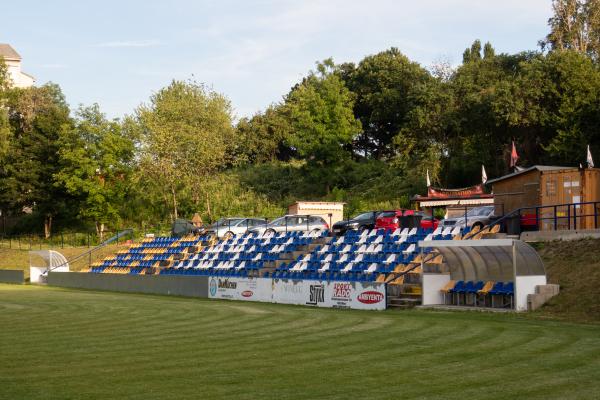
x=513, y=156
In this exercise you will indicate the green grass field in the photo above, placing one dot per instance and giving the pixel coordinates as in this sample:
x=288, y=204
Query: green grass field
x=68, y=344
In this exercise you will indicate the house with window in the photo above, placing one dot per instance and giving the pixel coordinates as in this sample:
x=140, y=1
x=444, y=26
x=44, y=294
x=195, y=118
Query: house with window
x=12, y=59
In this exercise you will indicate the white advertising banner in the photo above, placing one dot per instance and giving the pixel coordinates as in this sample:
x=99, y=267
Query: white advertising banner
x=356, y=295
x=250, y=289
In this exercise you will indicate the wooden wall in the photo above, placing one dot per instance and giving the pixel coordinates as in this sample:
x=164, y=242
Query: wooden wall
x=535, y=188
x=517, y=192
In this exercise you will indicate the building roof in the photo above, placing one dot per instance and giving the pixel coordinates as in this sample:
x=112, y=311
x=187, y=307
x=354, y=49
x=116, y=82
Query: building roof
x=532, y=168
x=453, y=196
x=8, y=52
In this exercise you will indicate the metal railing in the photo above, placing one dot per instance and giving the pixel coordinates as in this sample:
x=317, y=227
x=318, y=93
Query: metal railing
x=564, y=216
x=88, y=254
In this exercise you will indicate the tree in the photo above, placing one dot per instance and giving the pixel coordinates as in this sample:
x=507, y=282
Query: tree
x=186, y=135
x=320, y=114
x=575, y=25
x=36, y=115
x=262, y=138
x=383, y=85
x=95, y=159
x=5, y=130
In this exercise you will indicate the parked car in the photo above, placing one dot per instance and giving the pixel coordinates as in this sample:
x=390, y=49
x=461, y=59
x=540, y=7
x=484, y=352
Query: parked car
x=360, y=222
x=391, y=220
x=428, y=222
x=478, y=216
x=234, y=226
x=291, y=223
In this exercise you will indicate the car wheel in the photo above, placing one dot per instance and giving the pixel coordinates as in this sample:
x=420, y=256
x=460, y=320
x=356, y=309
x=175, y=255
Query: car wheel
x=477, y=225
x=363, y=228
x=270, y=231
x=228, y=235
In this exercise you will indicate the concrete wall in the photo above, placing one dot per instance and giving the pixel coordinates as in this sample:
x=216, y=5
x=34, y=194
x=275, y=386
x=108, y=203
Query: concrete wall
x=12, y=276
x=193, y=286
x=549, y=236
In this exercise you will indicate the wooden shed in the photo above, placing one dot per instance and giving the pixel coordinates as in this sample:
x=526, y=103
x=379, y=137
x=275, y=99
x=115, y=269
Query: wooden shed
x=331, y=212
x=551, y=193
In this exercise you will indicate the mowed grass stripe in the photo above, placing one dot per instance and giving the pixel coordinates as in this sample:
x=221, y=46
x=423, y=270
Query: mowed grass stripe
x=67, y=344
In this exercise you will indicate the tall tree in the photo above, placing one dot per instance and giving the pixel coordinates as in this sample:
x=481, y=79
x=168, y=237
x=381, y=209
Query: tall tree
x=575, y=25
x=95, y=163
x=36, y=115
x=383, y=84
x=262, y=138
x=186, y=135
x=320, y=112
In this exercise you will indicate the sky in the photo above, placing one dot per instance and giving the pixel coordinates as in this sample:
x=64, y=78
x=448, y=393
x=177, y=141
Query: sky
x=117, y=53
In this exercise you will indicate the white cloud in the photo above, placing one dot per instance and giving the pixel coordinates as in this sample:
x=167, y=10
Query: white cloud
x=130, y=43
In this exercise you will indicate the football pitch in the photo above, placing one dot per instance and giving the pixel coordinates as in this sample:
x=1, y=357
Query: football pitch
x=69, y=344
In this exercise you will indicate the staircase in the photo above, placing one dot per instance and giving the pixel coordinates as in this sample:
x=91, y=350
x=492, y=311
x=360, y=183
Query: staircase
x=407, y=294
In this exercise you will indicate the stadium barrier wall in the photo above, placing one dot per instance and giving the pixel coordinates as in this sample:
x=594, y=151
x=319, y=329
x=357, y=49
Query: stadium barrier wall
x=12, y=276
x=356, y=295
x=192, y=286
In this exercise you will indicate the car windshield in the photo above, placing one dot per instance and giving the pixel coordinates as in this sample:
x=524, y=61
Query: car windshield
x=228, y=221
x=363, y=216
x=277, y=222
x=479, y=212
x=387, y=214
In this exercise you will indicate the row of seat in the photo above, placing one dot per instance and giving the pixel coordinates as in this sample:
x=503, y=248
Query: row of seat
x=479, y=293
x=301, y=275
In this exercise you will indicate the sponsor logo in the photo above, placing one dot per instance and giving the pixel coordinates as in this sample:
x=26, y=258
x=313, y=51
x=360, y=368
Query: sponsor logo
x=317, y=294
x=370, y=297
x=227, y=284
x=212, y=286
x=292, y=289
x=341, y=291
x=247, y=293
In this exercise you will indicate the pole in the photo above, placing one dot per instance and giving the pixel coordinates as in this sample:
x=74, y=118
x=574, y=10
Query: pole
x=514, y=248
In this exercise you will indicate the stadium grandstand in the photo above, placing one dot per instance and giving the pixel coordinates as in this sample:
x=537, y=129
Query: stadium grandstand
x=390, y=258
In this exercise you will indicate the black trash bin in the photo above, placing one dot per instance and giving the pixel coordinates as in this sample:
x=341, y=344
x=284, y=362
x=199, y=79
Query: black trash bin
x=513, y=225
x=410, y=221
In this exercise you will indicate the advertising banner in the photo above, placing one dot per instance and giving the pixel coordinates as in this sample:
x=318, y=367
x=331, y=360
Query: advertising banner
x=251, y=289
x=356, y=295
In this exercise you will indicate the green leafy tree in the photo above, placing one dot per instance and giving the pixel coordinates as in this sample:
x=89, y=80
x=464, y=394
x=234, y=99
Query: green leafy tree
x=95, y=158
x=186, y=136
x=36, y=115
x=575, y=25
x=320, y=113
x=384, y=84
x=262, y=138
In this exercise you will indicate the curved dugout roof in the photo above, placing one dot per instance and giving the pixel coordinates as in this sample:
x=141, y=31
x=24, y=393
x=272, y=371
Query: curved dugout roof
x=488, y=259
x=52, y=259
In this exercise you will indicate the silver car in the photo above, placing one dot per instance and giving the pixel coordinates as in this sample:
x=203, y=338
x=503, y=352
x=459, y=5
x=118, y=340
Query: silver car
x=475, y=216
x=234, y=226
x=292, y=223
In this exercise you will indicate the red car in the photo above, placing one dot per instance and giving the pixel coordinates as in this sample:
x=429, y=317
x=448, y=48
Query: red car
x=389, y=220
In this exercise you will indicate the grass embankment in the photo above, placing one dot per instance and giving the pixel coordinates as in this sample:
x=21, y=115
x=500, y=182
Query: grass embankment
x=68, y=344
x=575, y=266
x=19, y=259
